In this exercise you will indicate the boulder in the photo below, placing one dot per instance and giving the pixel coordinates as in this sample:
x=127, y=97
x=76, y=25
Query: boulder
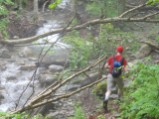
x=144, y=51
x=26, y=52
x=47, y=79
x=31, y=66
x=5, y=53
x=55, y=68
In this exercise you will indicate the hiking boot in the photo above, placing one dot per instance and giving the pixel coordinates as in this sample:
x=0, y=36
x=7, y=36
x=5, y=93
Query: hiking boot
x=105, y=105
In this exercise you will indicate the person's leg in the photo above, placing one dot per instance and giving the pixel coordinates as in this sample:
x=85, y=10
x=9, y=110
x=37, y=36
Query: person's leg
x=120, y=85
x=110, y=84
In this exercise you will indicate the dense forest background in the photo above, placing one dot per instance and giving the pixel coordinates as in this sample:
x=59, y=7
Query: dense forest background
x=75, y=80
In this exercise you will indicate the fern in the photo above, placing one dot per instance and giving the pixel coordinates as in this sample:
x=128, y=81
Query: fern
x=141, y=101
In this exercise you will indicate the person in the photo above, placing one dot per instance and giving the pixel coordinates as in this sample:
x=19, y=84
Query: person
x=116, y=65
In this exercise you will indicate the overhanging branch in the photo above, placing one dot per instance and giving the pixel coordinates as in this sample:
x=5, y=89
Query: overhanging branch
x=131, y=10
x=120, y=18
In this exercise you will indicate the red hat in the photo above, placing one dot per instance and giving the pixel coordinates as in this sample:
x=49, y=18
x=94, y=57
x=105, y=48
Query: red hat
x=119, y=49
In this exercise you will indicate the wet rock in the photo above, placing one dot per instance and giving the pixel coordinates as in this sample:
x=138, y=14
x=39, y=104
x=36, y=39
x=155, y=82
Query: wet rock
x=42, y=70
x=47, y=79
x=26, y=52
x=28, y=66
x=4, y=53
x=61, y=112
x=59, y=57
x=55, y=68
x=1, y=93
x=45, y=109
x=72, y=87
x=11, y=77
x=144, y=51
x=1, y=97
x=90, y=78
x=20, y=62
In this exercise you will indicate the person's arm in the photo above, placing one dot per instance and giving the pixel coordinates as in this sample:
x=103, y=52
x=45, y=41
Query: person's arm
x=106, y=65
x=125, y=66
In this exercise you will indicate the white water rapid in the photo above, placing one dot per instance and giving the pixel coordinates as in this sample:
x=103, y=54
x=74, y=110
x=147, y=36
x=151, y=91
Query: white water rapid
x=14, y=80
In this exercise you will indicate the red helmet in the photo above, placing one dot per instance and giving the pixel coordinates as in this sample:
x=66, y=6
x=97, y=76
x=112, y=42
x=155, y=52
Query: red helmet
x=119, y=49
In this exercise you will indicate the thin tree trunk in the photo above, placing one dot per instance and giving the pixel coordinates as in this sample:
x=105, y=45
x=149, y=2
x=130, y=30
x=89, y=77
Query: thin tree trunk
x=36, y=7
x=20, y=5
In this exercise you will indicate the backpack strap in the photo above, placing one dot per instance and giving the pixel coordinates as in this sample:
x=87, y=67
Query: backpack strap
x=122, y=60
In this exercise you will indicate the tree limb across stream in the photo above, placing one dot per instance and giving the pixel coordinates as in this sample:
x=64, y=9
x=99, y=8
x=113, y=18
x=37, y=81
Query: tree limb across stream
x=121, y=18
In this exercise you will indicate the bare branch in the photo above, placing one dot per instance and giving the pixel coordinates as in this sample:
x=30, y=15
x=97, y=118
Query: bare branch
x=152, y=44
x=69, y=94
x=27, y=107
x=150, y=15
x=131, y=10
x=53, y=89
x=84, y=25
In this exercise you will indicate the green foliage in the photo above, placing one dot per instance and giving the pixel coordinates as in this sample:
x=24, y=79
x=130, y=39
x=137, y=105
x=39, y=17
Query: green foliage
x=108, y=8
x=101, y=117
x=79, y=113
x=94, y=9
x=4, y=115
x=81, y=50
x=141, y=101
x=110, y=37
x=100, y=89
x=4, y=13
x=53, y=5
x=152, y=2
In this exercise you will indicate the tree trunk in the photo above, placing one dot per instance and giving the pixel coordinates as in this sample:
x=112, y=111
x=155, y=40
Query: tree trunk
x=36, y=7
x=20, y=5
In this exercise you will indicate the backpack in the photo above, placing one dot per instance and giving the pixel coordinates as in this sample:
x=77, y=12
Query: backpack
x=117, y=69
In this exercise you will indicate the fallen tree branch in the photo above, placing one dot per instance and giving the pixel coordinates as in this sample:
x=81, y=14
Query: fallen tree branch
x=47, y=92
x=150, y=15
x=28, y=107
x=152, y=44
x=78, y=27
x=69, y=94
x=131, y=10
x=87, y=24
x=53, y=88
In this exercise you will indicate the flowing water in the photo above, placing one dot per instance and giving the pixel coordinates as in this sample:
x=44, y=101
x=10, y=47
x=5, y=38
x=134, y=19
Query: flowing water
x=14, y=80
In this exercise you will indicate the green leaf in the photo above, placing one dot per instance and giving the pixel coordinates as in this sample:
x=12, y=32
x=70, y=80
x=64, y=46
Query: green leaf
x=53, y=5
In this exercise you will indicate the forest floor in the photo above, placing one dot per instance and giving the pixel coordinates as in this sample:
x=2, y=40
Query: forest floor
x=113, y=112
x=92, y=106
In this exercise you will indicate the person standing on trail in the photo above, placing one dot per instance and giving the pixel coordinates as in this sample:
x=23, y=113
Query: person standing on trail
x=116, y=64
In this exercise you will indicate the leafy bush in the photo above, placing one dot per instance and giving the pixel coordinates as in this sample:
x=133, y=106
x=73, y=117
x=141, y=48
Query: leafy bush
x=3, y=14
x=108, y=8
x=142, y=97
x=100, y=89
x=4, y=115
x=110, y=37
x=101, y=117
x=81, y=50
x=79, y=113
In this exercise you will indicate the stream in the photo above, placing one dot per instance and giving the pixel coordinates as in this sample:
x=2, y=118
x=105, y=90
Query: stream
x=17, y=70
